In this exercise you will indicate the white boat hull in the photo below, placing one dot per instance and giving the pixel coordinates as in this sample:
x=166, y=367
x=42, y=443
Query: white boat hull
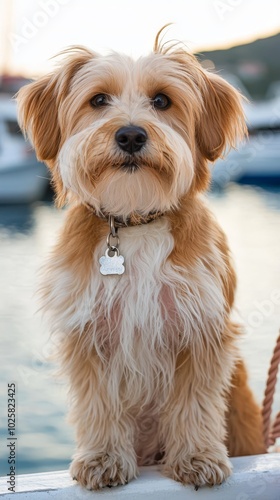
x=23, y=183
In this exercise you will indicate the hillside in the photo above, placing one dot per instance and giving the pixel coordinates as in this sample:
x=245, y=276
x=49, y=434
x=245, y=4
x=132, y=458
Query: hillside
x=257, y=64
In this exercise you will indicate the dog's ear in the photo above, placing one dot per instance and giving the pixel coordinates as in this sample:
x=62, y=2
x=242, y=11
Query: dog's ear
x=38, y=104
x=37, y=116
x=222, y=121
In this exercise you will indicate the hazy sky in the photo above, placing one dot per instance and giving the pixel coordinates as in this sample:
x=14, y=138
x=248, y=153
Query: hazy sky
x=32, y=31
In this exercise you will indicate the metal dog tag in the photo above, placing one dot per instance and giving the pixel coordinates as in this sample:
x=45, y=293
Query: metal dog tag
x=110, y=265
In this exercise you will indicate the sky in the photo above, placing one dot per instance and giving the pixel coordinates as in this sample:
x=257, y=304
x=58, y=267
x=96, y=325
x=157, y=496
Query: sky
x=33, y=31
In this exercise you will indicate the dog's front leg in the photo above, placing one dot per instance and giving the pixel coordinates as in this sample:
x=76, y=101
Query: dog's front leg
x=193, y=423
x=105, y=454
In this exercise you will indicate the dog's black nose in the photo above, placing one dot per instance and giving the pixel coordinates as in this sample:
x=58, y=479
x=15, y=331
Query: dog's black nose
x=131, y=139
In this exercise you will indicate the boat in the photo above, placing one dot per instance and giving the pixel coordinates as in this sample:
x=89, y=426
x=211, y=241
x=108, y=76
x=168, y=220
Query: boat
x=257, y=159
x=22, y=178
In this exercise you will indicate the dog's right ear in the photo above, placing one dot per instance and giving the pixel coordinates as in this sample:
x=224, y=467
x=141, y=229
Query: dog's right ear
x=37, y=116
x=38, y=104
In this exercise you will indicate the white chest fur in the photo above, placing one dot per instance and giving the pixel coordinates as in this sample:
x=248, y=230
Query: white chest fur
x=153, y=296
x=141, y=319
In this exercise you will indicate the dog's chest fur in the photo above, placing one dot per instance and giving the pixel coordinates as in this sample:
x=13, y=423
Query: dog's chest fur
x=139, y=321
x=154, y=298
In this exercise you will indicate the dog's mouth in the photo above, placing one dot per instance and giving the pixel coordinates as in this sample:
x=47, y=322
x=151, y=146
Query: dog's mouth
x=130, y=166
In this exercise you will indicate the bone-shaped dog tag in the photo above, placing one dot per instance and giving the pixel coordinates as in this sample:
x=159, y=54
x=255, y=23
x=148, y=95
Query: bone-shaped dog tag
x=110, y=265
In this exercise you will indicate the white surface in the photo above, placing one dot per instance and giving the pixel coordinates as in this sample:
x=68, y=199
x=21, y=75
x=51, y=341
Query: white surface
x=254, y=478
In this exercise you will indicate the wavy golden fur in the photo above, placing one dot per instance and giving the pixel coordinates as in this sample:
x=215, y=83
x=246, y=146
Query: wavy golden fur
x=151, y=355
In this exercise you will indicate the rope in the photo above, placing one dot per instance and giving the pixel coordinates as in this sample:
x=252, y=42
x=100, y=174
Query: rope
x=271, y=432
x=275, y=431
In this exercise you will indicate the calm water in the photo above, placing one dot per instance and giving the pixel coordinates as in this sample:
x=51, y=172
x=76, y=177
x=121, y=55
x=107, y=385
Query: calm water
x=251, y=219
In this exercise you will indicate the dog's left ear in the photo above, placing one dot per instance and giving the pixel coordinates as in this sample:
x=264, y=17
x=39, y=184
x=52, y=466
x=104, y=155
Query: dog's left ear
x=222, y=122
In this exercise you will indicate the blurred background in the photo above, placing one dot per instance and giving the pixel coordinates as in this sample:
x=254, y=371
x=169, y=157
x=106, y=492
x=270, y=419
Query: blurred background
x=240, y=40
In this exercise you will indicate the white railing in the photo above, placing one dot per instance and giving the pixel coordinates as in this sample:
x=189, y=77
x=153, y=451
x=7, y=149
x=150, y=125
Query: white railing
x=254, y=478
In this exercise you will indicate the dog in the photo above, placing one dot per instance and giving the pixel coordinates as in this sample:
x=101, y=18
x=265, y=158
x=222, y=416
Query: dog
x=140, y=286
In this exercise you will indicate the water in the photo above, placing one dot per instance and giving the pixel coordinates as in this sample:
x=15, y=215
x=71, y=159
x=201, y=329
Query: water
x=251, y=219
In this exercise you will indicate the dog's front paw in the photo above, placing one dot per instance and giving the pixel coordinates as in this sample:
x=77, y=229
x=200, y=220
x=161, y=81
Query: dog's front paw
x=97, y=471
x=202, y=468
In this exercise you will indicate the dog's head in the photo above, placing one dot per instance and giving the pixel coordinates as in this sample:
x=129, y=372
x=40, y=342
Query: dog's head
x=130, y=136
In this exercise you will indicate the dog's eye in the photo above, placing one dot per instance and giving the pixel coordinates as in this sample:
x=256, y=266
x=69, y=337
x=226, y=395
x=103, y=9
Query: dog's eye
x=161, y=101
x=99, y=100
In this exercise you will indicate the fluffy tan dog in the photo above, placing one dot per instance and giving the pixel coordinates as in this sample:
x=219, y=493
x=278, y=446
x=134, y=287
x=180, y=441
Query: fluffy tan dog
x=141, y=307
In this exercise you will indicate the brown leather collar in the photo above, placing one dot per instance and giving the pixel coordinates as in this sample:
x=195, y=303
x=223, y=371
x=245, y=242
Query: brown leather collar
x=134, y=219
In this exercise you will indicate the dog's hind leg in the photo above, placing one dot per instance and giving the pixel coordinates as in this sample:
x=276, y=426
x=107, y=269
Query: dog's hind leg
x=243, y=417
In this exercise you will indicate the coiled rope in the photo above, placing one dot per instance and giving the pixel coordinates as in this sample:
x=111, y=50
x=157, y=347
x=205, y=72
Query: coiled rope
x=271, y=430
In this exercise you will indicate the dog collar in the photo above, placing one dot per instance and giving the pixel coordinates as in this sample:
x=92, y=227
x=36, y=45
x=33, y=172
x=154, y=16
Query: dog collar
x=135, y=219
x=112, y=262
